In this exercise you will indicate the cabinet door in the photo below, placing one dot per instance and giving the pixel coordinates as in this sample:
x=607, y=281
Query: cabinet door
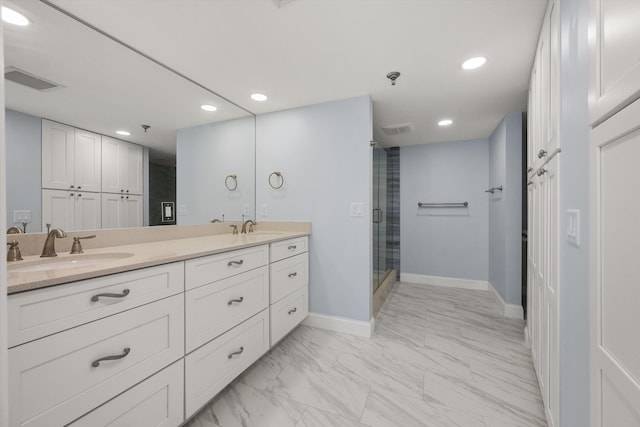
x=87, y=215
x=58, y=155
x=132, y=211
x=615, y=276
x=112, y=211
x=614, y=53
x=58, y=209
x=132, y=168
x=88, y=161
x=111, y=182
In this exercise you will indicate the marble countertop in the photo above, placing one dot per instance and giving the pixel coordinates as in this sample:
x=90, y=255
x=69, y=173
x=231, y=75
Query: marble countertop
x=142, y=255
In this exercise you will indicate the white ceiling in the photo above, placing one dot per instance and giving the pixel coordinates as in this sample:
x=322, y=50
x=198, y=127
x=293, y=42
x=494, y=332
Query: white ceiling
x=312, y=51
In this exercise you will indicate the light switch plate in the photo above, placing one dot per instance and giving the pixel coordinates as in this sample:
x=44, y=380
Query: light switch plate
x=357, y=209
x=21, y=216
x=573, y=227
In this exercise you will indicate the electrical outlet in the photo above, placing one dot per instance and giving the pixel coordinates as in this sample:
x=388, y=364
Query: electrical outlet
x=22, y=216
x=357, y=209
x=264, y=209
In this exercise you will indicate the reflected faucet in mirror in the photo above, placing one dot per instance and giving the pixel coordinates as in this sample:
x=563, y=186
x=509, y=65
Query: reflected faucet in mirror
x=14, y=230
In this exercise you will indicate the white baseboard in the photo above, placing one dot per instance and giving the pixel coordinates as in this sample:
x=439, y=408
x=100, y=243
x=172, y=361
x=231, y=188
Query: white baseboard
x=448, y=282
x=513, y=311
x=341, y=324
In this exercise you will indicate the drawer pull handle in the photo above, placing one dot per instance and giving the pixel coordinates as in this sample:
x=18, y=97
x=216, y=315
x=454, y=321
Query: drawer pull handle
x=235, y=353
x=239, y=300
x=124, y=354
x=292, y=247
x=293, y=310
x=96, y=297
x=235, y=263
x=294, y=274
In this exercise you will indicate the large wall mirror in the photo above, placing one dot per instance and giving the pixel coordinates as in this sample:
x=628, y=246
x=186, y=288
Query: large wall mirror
x=63, y=71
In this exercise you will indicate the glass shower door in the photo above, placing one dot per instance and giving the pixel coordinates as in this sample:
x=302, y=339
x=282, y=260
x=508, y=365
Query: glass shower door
x=379, y=201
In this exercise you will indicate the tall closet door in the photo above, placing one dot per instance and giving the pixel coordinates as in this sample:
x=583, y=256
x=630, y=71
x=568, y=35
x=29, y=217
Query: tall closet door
x=58, y=155
x=615, y=258
x=550, y=297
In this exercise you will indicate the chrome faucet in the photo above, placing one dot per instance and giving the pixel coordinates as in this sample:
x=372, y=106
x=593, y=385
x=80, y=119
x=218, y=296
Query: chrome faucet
x=49, y=249
x=251, y=224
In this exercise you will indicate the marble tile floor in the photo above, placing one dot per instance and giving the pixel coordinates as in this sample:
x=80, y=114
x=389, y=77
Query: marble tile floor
x=440, y=357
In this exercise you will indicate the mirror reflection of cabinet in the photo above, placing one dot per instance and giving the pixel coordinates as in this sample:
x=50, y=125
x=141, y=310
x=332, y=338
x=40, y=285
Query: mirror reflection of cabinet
x=120, y=210
x=70, y=210
x=71, y=158
x=122, y=167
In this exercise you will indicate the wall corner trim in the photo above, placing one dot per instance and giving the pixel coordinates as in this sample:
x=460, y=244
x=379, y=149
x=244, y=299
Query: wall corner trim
x=447, y=282
x=341, y=324
x=512, y=311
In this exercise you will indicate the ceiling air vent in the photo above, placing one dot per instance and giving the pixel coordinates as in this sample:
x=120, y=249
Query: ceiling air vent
x=398, y=129
x=19, y=76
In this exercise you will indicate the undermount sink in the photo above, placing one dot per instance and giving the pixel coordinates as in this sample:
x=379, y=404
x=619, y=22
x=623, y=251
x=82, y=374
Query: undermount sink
x=67, y=262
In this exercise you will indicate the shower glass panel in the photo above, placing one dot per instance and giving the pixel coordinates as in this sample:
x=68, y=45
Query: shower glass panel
x=381, y=266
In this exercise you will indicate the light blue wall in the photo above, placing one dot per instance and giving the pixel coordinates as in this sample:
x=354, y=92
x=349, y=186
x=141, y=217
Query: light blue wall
x=505, y=209
x=445, y=242
x=205, y=155
x=324, y=155
x=24, y=158
x=574, y=194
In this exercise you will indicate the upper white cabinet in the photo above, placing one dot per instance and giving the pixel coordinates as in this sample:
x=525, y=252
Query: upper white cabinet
x=615, y=69
x=122, y=171
x=71, y=158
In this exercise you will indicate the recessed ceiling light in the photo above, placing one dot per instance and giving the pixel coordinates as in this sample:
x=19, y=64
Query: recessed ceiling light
x=473, y=63
x=10, y=16
x=259, y=97
x=207, y=107
x=445, y=122
x=123, y=132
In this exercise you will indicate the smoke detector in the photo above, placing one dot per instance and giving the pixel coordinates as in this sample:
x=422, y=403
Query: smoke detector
x=398, y=129
x=393, y=76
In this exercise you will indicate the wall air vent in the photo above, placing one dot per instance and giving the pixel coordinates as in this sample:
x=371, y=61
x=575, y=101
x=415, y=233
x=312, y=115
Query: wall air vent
x=19, y=76
x=398, y=129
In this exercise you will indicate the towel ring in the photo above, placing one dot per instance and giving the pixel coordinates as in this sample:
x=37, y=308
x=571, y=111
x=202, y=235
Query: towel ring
x=279, y=175
x=234, y=182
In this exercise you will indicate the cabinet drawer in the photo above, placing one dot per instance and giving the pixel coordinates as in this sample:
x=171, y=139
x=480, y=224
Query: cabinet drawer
x=211, y=367
x=42, y=312
x=289, y=275
x=217, y=307
x=287, y=248
x=209, y=269
x=288, y=313
x=156, y=402
x=55, y=380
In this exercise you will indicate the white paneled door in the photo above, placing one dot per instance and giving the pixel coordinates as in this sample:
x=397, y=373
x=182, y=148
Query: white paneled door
x=615, y=272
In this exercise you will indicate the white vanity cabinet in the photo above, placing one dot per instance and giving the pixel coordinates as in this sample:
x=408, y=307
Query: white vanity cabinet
x=152, y=346
x=78, y=345
x=71, y=158
x=289, y=286
x=120, y=211
x=227, y=322
x=122, y=167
